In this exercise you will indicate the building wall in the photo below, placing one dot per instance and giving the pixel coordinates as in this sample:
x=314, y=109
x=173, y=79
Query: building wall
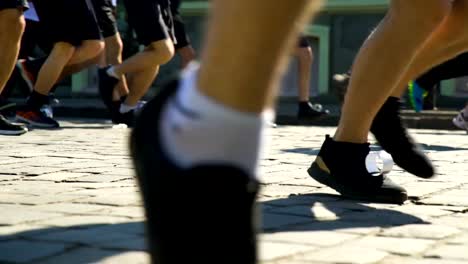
x=336, y=34
x=336, y=37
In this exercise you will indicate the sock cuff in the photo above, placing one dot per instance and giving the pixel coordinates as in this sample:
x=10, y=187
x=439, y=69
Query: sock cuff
x=191, y=95
x=37, y=100
x=111, y=72
x=124, y=108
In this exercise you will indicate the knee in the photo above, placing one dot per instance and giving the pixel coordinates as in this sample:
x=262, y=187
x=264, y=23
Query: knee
x=164, y=50
x=427, y=15
x=12, y=22
x=63, y=49
x=92, y=47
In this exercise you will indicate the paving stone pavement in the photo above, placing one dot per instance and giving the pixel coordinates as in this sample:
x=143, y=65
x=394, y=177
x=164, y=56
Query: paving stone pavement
x=69, y=196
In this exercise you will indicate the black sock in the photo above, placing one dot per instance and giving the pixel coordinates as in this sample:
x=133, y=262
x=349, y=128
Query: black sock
x=37, y=100
x=304, y=105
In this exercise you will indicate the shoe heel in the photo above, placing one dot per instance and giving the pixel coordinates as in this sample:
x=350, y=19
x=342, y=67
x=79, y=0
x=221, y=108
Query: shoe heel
x=319, y=174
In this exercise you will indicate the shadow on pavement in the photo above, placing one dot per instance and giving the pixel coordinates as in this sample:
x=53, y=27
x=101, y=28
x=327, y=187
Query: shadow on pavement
x=315, y=152
x=327, y=212
x=95, y=242
x=72, y=244
x=443, y=133
x=438, y=148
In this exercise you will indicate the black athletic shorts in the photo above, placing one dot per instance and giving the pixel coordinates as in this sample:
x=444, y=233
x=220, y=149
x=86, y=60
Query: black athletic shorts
x=181, y=36
x=71, y=21
x=105, y=15
x=151, y=20
x=13, y=4
x=303, y=42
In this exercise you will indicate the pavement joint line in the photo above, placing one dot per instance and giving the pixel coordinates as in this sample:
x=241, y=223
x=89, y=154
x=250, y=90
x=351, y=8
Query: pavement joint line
x=443, y=212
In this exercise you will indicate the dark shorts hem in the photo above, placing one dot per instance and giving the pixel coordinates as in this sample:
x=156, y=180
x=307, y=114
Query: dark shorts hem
x=70, y=21
x=13, y=4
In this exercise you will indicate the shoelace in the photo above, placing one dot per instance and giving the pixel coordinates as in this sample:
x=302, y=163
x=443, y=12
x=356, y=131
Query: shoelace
x=47, y=111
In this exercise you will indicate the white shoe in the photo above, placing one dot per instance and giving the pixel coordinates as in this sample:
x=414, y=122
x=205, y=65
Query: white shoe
x=461, y=121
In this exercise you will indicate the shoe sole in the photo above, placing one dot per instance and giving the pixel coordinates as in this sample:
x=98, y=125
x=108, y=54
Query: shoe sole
x=13, y=133
x=7, y=106
x=34, y=124
x=324, y=178
x=312, y=119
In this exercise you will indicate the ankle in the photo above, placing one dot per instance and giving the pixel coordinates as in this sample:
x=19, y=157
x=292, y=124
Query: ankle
x=343, y=136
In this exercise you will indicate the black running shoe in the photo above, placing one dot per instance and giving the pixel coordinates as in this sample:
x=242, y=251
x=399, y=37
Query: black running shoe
x=126, y=118
x=36, y=118
x=392, y=135
x=309, y=112
x=342, y=167
x=114, y=110
x=7, y=108
x=53, y=99
x=11, y=129
x=212, y=202
x=107, y=84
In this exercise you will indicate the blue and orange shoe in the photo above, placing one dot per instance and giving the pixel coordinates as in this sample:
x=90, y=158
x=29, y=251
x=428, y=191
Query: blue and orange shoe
x=36, y=118
x=416, y=96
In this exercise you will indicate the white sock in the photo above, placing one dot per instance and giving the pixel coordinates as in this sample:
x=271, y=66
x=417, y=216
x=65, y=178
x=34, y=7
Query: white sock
x=111, y=72
x=126, y=108
x=197, y=130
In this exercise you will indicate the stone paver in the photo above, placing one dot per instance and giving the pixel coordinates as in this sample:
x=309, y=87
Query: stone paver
x=456, y=252
x=69, y=196
x=345, y=254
